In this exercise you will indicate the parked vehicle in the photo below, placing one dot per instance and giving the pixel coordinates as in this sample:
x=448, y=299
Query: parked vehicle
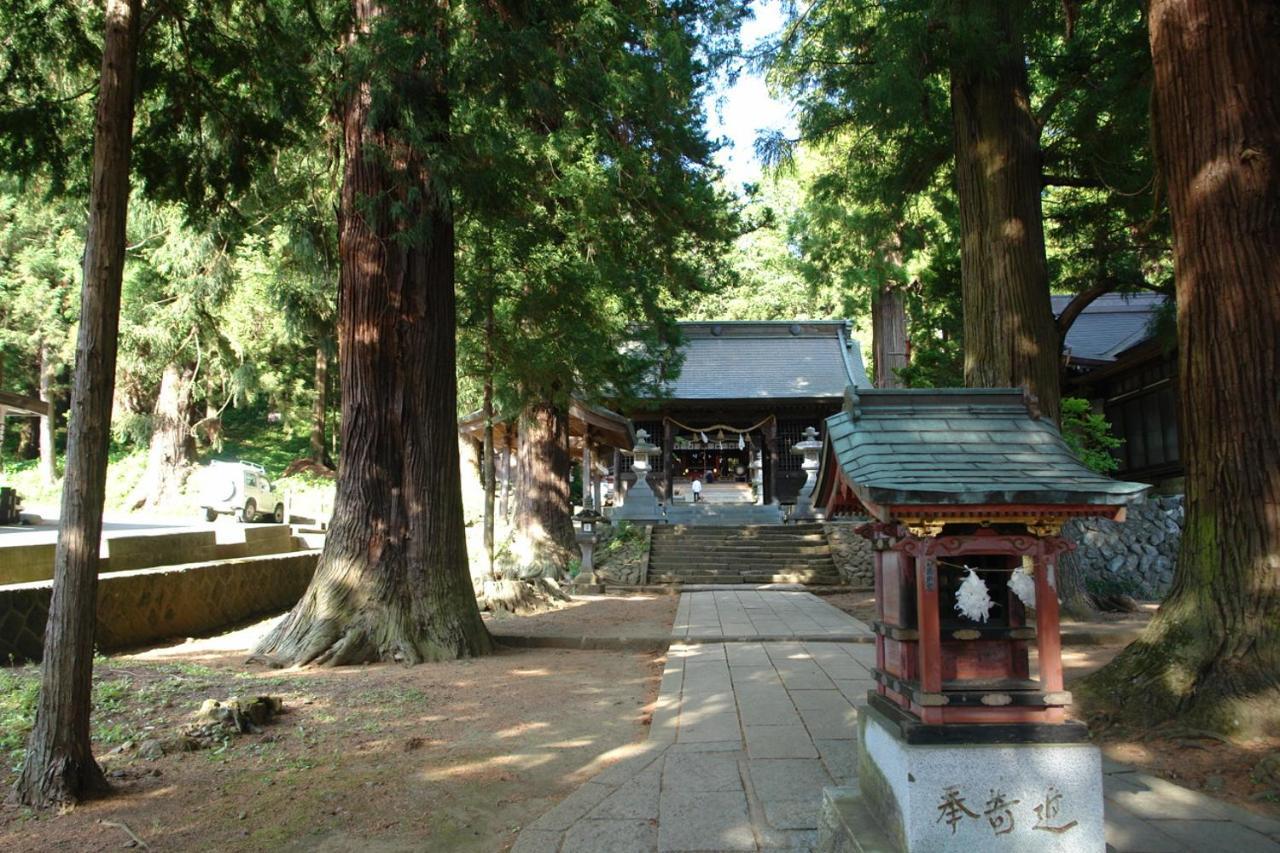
x=240, y=489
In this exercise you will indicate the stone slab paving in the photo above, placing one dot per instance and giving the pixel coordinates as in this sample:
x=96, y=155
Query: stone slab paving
x=763, y=614
x=745, y=735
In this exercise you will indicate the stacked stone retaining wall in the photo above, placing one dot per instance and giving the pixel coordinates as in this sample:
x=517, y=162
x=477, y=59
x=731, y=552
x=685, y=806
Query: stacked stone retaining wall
x=851, y=553
x=1136, y=557
x=148, y=605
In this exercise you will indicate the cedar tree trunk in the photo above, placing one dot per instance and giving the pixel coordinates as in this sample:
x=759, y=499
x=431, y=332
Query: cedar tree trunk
x=544, y=524
x=392, y=582
x=172, y=446
x=319, y=408
x=1211, y=657
x=1009, y=334
x=59, y=766
x=888, y=334
x=487, y=468
x=49, y=422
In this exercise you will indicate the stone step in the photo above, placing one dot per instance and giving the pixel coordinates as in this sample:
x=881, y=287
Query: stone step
x=762, y=528
x=784, y=577
x=742, y=544
x=738, y=570
x=676, y=562
x=726, y=536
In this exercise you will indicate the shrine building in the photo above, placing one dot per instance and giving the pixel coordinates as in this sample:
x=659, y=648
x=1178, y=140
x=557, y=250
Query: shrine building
x=744, y=394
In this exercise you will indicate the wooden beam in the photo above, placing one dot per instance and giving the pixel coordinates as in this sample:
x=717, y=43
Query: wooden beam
x=17, y=404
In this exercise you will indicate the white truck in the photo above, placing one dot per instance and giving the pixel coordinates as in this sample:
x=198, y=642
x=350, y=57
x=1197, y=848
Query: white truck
x=240, y=489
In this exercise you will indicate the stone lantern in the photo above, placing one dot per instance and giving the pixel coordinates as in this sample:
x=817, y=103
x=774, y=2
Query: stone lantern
x=589, y=523
x=640, y=503
x=811, y=449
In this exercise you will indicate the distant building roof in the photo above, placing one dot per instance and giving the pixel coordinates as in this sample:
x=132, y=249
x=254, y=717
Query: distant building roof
x=767, y=360
x=905, y=447
x=1109, y=325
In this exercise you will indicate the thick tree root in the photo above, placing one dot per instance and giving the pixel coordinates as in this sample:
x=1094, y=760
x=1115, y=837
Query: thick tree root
x=64, y=781
x=521, y=597
x=1175, y=674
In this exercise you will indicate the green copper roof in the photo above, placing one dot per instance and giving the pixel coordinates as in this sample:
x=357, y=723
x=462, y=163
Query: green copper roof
x=959, y=446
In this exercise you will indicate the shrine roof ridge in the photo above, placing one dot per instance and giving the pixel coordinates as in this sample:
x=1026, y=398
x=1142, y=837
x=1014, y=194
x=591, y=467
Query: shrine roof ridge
x=769, y=359
x=958, y=447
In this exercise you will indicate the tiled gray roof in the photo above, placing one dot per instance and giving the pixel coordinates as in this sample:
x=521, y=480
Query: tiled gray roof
x=724, y=361
x=1110, y=324
x=960, y=446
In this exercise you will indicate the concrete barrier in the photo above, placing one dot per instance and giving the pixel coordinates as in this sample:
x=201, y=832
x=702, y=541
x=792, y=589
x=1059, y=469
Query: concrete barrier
x=148, y=605
x=27, y=563
x=145, y=550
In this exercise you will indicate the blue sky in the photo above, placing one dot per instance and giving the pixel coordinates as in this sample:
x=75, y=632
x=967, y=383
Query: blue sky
x=739, y=112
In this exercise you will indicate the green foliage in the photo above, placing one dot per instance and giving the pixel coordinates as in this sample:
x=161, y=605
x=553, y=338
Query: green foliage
x=19, y=690
x=1089, y=435
x=872, y=87
x=618, y=223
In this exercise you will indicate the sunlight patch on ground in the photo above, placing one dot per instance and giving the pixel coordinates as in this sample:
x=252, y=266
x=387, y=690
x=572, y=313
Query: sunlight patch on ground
x=521, y=729
x=506, y=761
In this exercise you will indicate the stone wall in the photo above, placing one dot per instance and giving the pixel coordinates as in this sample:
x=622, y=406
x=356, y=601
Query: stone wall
x=1136, y=557
x=627, y=567
x=851, y=553
x=150, y=605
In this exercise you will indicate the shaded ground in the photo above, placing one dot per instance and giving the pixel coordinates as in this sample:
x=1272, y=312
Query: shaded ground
x=1224, y=768
x=452, y=756
x=598, y=616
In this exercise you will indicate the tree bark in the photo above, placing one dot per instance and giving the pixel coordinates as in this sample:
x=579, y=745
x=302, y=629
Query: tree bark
x=1211, y=657
x=544, y=525
x=888, y=334
x=487, y=468
x=59, y=766
x=1009, y=334
x=172, y=445
x=28, y=438
x=319, y=408
x=49, y=422
x=393, y=581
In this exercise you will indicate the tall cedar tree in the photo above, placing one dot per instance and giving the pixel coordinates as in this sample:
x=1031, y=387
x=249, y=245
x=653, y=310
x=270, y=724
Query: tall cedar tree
x=240, y=118
x=1211, y=657
x=392, y=582
x=617, y=225
x=1009, y=335
x=59, y=764
x=903, y=101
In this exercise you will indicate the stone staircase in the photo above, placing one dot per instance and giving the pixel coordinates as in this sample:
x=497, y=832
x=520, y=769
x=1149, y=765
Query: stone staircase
x=704, y=514
x=763, y=553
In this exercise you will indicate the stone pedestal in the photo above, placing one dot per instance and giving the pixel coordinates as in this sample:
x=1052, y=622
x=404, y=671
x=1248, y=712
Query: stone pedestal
x=939, y=789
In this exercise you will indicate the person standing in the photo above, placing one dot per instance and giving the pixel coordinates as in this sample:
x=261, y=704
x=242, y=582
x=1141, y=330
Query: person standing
x=696, y=488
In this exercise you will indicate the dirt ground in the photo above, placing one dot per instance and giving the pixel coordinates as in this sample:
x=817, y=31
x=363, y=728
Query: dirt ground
x=1220, y=767
x=451, y=756
x=597, y=616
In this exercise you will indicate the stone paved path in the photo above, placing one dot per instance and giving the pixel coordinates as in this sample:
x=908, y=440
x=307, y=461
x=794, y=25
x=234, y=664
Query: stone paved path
x=757, y=614
x=746, y=735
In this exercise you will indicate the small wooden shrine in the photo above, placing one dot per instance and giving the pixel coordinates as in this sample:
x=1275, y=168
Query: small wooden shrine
x=967, y=491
